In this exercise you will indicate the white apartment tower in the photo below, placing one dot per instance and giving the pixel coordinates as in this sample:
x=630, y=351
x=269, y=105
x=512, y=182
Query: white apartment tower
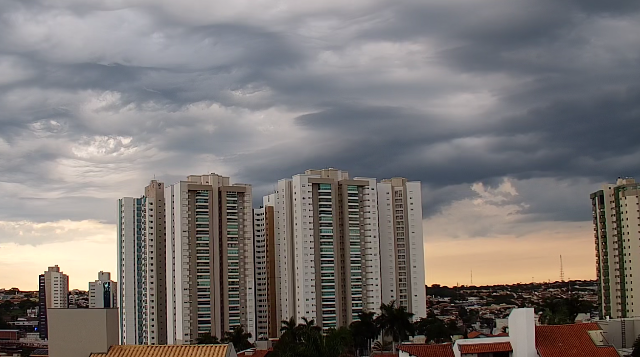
x=103, y=293
x=141, y=273
x=327, y=244
x=401, y=244
x=267, y=323
x=53, y=294
x=616, y=221
x=209, y=258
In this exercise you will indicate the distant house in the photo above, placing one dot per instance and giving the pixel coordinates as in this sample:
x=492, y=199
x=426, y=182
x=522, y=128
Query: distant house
x=525, y=339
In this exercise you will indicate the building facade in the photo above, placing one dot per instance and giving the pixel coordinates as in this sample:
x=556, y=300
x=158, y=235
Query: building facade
x=142, y=259
x=82, y=332
x=267, y=324
x=401, y=244
x=327, y=244
x=53, y=294
x=209, y=258
x=103, y=293
x=616, y=220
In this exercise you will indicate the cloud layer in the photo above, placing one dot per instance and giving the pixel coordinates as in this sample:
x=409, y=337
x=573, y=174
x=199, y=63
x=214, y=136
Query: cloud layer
x=98, y=97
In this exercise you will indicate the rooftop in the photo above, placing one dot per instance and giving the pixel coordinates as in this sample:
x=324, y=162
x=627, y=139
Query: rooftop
x=419, y=350
x=570, y=341
x=486, y=347
x=169, y=351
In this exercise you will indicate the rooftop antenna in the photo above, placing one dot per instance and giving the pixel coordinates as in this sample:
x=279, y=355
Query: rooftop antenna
x=561, y=270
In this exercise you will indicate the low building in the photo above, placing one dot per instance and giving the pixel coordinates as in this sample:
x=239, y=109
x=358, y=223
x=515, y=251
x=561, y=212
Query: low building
x=80, y=332
x=40, y=352
x=168, y=351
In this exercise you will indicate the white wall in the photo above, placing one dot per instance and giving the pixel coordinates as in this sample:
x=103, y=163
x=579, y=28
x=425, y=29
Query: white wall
x=522, y=332
x=284, y=258
x=416, y=241
x=249, y=271
x=371, y=262
x=387, y=243
x=127, y=271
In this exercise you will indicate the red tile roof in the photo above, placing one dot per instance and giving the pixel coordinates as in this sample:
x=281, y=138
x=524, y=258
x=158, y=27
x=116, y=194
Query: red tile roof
x=486, y=347
x=570, y=341
x=474, y=334
x=443, y=350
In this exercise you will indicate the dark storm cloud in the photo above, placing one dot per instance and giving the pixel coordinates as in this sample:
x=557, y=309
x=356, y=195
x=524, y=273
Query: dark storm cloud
x=561, y=78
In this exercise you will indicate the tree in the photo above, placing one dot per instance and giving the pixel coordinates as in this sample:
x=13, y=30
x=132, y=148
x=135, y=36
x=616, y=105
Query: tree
x=26, y=304
x=238, y=338
x=434, y=329
x=636, y=348
x=289, y=329
x=395, y=321
x=308, y=340
x=308, y=326
x=364, y=331
x=207, y=339
x=563, y=311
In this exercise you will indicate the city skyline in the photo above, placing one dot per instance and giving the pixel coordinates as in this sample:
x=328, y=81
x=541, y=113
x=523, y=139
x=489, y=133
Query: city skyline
x=463, y=277
x=510, y=113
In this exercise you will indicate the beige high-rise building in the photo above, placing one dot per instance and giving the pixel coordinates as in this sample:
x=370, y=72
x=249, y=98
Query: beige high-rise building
x=210, y=261
x=326, y=234
x=401, y=245
x=616, y=221
x=53, y=294
x=142, y=296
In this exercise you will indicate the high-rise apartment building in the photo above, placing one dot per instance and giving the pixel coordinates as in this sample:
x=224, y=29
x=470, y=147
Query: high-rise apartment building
x=327, y=243
x=53, y=294
x=210, y=259
x=103, y=293
x=142, y=261
x=401, y=244
x=267, y=323
x=616, y=220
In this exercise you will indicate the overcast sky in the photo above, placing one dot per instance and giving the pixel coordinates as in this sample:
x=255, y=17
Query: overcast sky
x=510, y=112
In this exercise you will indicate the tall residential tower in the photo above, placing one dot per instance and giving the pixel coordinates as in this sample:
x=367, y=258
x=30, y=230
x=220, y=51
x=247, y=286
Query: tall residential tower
x=267, y=322
x=141, y=273
x=326, y=234
x=401, y=244
x=210, y=260
x=53, y=294
x=616, y=220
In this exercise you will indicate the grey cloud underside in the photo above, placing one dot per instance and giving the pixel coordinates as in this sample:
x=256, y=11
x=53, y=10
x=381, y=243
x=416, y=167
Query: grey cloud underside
x=562, y=77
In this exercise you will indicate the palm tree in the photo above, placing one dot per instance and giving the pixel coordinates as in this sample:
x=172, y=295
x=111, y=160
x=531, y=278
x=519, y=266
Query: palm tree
x=238, y=338
x=289, y=329
x=395, y=321
x=364, y=331
x=307, y=327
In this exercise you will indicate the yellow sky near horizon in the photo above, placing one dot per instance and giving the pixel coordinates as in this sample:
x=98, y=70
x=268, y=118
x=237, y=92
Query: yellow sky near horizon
x=494, y=260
